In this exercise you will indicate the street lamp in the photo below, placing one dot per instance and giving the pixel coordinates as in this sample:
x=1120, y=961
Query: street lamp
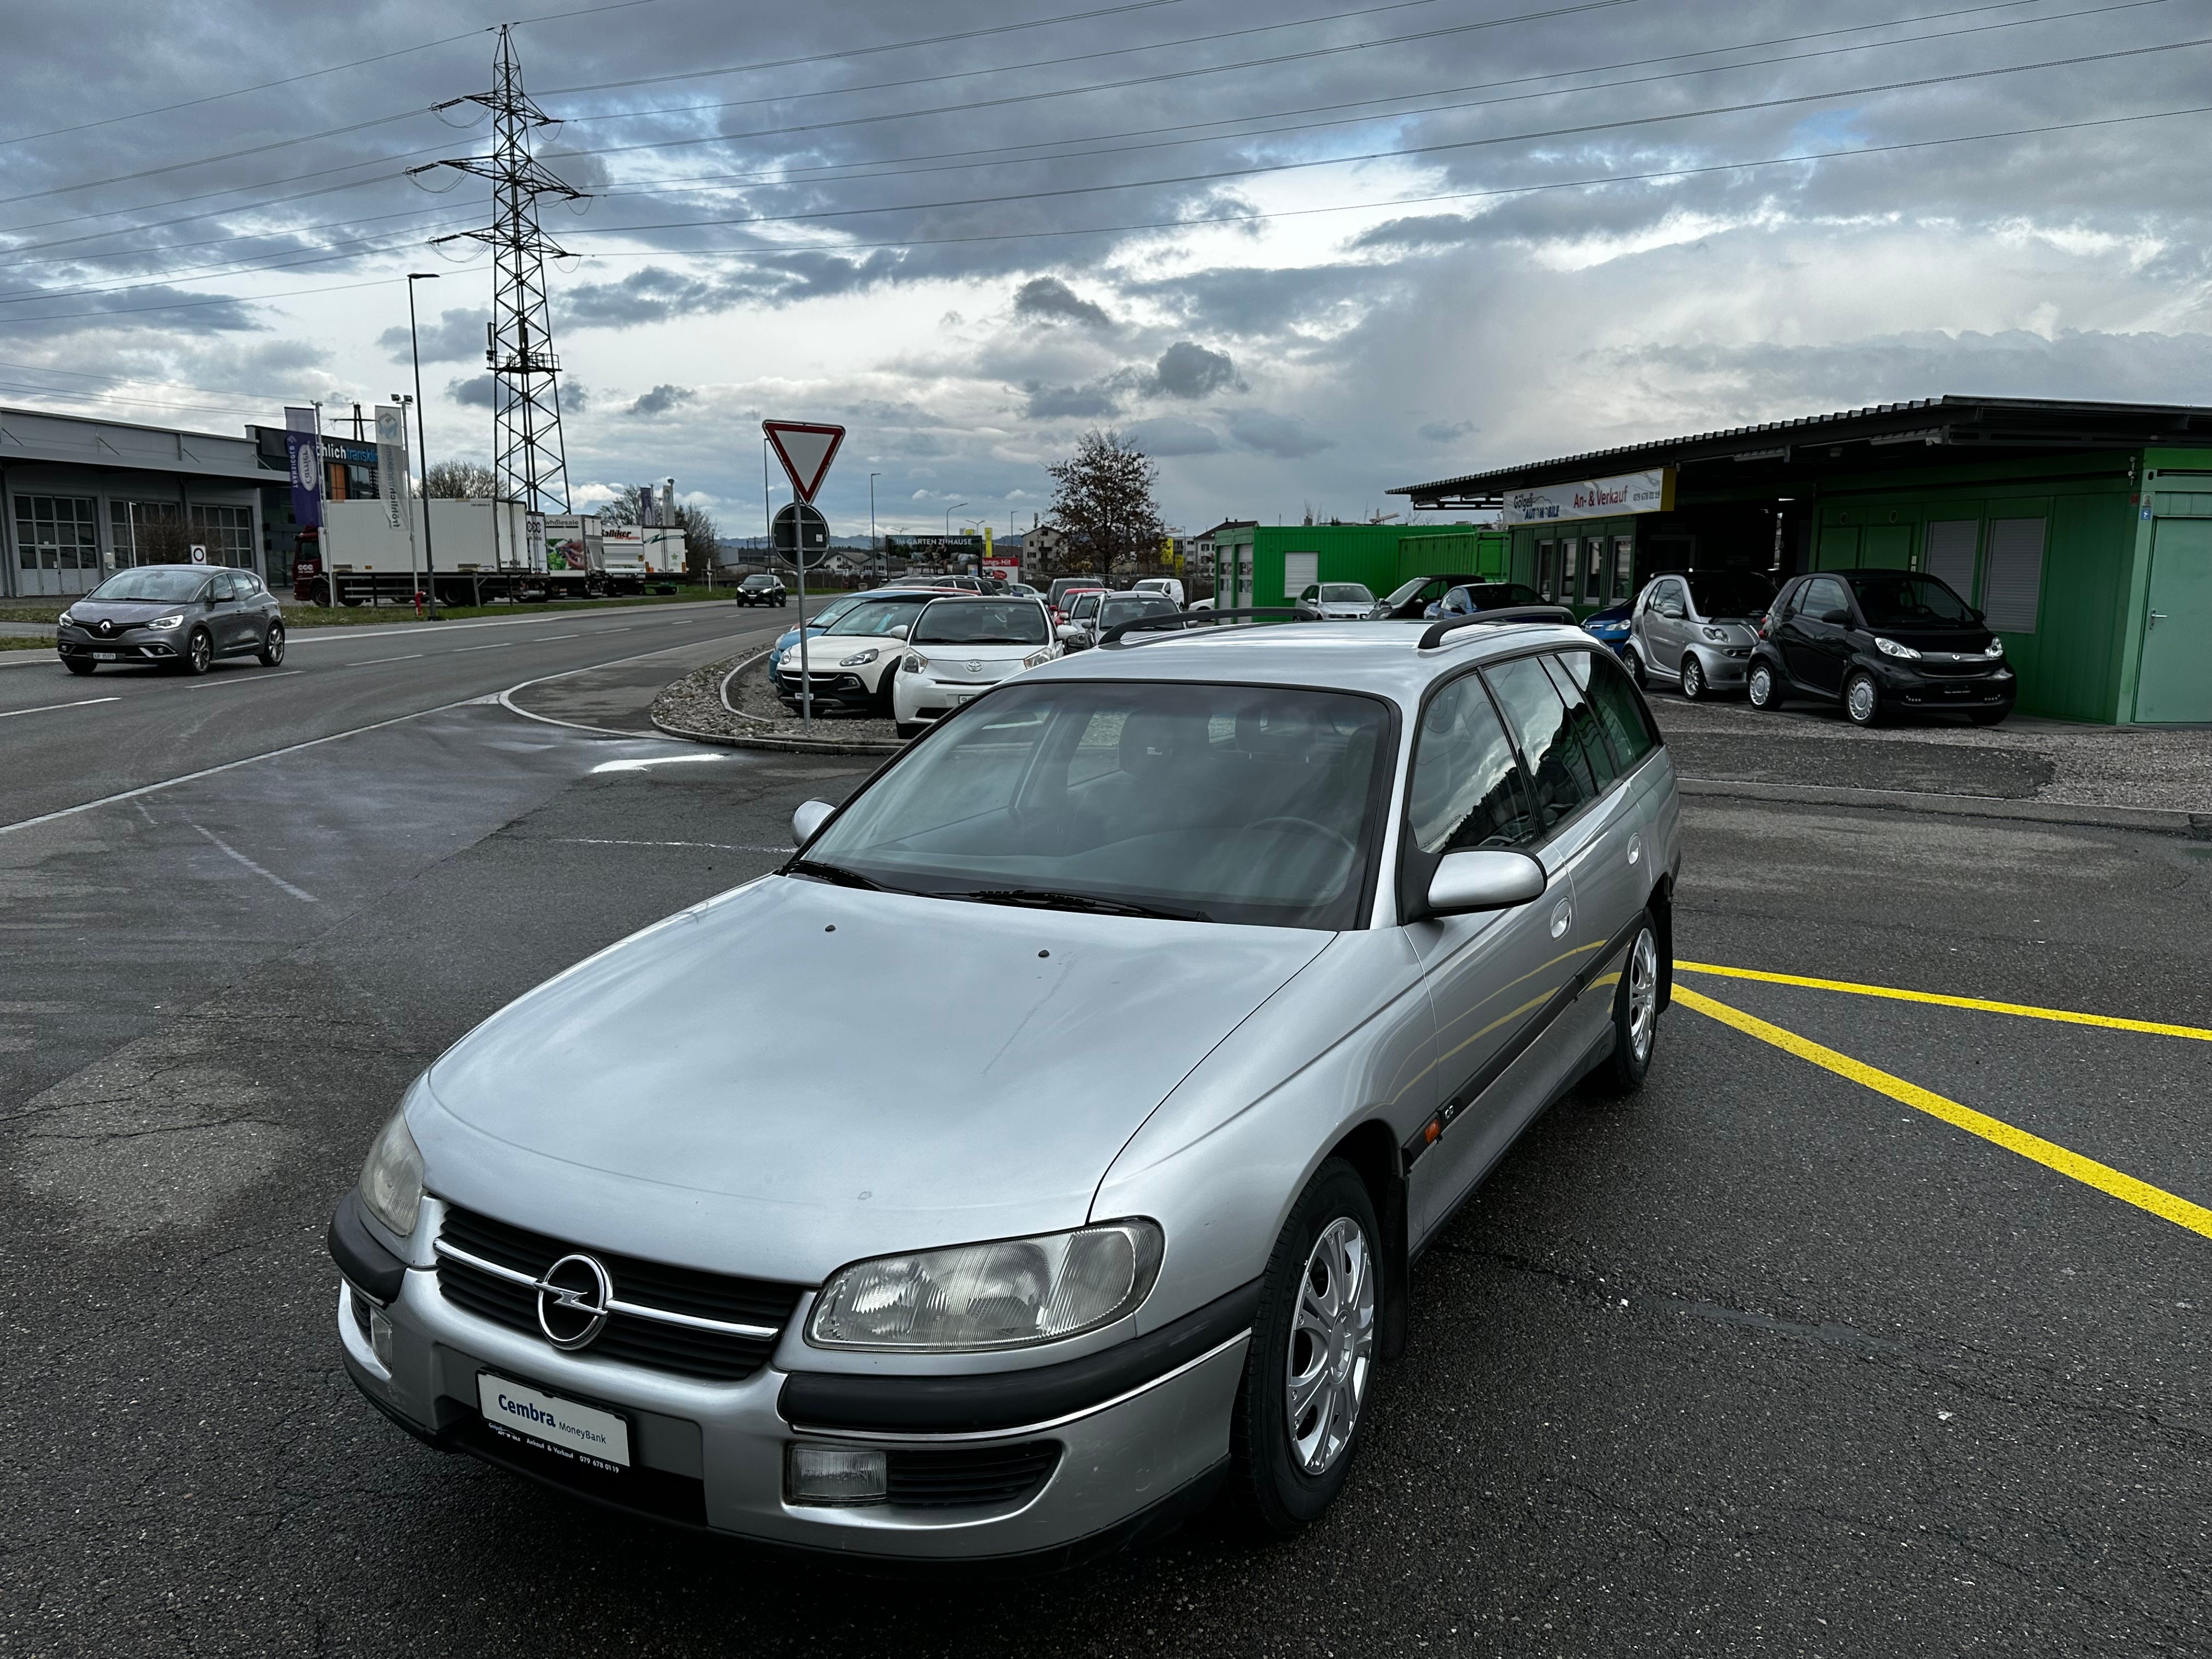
x=883, y=564
x=422, y=442
x=947, y=544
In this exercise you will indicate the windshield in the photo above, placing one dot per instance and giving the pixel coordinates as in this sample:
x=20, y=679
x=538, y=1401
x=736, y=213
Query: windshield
x=875, y=616
x=982, y=622
x=1910, y=602
x=830, y=612
x=1216, y=802
x=1084, y=604
x=153, y=582
x=1717, y=594
x=760, y=581
x=1123, y=609
x=1345, y=593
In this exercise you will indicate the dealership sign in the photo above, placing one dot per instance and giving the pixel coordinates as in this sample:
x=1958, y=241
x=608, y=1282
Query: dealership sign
x=1592, y=498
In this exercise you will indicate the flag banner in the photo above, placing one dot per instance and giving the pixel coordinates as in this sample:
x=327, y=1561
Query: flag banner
x=303, y=454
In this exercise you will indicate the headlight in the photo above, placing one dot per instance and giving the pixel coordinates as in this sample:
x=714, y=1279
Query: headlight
x=1013, y=1293
x=164, y=621
x=1037, y=658
x=914, y=663
x=1891, y=648
x=1720, y=635
x=65, y=620
x=861, y=659
x=391, y=1177
x=1996, y=647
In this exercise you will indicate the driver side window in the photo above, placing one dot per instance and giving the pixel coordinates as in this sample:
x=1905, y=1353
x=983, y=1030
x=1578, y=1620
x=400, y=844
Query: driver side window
x=220, y=589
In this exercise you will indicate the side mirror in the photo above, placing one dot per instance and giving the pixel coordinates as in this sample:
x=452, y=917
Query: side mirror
x=811, y=816
x=1069, y=634
x=1490, y=880
x=1839, y=617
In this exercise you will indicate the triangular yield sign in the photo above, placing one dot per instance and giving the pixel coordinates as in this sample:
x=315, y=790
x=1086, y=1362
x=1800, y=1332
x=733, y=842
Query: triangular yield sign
x=806, y=449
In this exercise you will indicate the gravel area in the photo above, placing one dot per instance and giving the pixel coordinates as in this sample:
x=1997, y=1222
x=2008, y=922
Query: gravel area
x=2024, y=759
x=694, y=703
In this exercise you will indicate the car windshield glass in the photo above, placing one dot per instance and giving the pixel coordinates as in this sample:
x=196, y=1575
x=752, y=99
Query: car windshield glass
x=1120, y=610
x=1400, y=595
x=1224, y=803
x=1910, y=602
x=1345, y=593
x=830, y=613
x=874, y=617
x=982, y=622
x=1718, y=594
x=760, y=581
x=154, y=582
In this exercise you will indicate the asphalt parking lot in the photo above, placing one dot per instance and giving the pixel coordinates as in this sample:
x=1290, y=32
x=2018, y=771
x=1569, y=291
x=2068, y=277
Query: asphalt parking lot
x=1773, y=1358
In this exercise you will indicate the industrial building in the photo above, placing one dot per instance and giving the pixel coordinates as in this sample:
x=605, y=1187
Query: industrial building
x=1265, y=564
x=2083, y=530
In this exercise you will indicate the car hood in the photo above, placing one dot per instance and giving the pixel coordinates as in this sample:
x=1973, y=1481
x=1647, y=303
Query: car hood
x=124, y=612
x=794, y=1076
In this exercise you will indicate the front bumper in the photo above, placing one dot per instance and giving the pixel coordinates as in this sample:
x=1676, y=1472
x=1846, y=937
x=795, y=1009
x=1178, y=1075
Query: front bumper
x=1724, y=665
x=132, y=644
x=847, y=689
x=1906, y=686
x=711, y=1454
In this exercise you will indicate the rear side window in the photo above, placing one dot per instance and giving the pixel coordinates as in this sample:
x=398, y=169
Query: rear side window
x=1543, y=726
x=1466, y=789
x=1582, y=721
x=1619, y=711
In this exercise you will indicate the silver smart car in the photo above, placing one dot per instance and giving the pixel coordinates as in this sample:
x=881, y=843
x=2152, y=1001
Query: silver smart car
x=1694, y=630
x=848, y=1275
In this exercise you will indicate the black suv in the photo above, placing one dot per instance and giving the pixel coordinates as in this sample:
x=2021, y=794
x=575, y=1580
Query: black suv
x=1879, y=642
x=760, y=590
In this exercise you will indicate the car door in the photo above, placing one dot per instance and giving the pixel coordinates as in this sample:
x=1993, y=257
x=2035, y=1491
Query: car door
x=223, y=611
x=1613, y=882
x=1665, y=627
x=1817, y=649
x=1490, y=977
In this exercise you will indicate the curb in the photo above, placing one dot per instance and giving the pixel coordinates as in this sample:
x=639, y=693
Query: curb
x=2159, y=820
x=788, y=745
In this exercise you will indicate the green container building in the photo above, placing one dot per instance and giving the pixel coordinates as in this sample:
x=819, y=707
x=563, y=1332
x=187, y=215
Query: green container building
x=1266, y=565
x=2082, y=530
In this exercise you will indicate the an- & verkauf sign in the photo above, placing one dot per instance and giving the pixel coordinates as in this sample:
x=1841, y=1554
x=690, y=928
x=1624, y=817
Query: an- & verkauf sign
x=1593, y=498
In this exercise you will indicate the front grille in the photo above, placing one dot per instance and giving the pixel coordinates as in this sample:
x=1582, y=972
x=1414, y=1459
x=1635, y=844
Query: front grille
x=719, y=1355
x=977, y=1475
x=1973, y=667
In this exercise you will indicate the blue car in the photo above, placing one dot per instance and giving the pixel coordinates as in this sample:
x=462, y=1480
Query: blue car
x=1610, y=625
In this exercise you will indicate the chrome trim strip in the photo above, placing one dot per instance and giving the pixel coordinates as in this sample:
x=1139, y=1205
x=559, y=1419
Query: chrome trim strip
x=661, y=1316
x=875, y=1437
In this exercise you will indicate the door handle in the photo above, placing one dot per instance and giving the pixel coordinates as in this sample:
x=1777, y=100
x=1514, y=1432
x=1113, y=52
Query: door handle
x=2156, y=617
x=1563, y=916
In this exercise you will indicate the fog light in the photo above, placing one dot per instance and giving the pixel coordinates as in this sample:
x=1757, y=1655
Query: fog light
x=380, y=1337
x=836, y=1474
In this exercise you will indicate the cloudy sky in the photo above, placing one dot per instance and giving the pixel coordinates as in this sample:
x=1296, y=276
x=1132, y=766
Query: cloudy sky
x=1303, y=250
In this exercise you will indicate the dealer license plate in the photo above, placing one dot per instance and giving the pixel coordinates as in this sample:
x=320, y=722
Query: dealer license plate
x=586, y=1433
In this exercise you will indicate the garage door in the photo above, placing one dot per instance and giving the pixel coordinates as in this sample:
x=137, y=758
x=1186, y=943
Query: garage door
x=2176, y=682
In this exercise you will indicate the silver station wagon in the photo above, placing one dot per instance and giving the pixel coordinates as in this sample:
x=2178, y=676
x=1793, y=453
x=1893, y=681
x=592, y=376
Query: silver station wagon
x=1183, y=990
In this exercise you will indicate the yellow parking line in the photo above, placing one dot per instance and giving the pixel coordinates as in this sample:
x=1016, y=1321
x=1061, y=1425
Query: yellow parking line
x=2049, y=1153
x=2025, y=1011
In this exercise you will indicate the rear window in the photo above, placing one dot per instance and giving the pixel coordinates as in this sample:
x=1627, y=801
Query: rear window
x=982, y=622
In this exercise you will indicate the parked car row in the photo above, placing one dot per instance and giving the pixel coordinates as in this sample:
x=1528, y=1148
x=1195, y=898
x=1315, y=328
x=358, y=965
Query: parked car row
x=913, y=656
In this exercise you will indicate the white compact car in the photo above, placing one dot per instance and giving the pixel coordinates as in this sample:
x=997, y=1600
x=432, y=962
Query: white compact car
x=1337, y=601
x=850, y=667
x=957, y=649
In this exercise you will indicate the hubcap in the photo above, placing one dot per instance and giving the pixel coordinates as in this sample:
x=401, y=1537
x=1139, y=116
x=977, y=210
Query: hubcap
x=1332, y=1346
x=1861, y=700
x=1760, y=685
x=1643, y=995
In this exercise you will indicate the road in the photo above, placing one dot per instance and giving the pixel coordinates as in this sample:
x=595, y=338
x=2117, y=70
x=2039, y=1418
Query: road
x=1765, y=1360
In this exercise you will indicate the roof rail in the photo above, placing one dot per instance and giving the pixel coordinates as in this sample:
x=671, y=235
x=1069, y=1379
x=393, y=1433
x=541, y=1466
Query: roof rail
x=1182, y=621
x=1437, y=633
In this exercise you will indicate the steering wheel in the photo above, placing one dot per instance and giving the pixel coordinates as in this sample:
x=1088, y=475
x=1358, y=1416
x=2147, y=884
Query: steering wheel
x=1311, y=828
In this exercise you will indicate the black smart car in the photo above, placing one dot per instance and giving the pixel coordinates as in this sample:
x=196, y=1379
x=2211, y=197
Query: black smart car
x=1879, y=642
x=760, y=590
x=176, y=615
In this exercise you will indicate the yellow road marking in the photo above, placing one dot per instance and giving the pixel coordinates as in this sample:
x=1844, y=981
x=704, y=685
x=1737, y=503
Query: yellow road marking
x=2049, y=1153
x=2025, y=1011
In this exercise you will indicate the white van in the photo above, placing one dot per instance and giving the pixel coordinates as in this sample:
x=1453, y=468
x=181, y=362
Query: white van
x=1167, y=585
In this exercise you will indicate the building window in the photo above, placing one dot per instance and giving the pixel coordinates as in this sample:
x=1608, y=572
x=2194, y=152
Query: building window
x=57, y=532
x=1950, y=554
x=1624, y=568
x=1594, y=570
x=143, y=532
x=2012, y=588
x=227, y=532
x=1547, y=581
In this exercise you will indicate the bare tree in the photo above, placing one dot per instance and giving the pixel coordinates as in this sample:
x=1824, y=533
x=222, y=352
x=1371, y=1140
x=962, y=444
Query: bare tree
x=1103, y=508
x=463, y=481
x=700, y=539
x=620, y=512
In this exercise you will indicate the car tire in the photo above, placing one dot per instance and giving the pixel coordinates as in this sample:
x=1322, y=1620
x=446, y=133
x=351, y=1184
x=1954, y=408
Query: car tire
x=199, y=653
x=1634, y=662
x=272, y=646
x=1862, y=699
x=910, y=728
x=79, y=664
x=1762, y=686
x=1635, y=1013
x=1693, y=678
x=1316, y=1329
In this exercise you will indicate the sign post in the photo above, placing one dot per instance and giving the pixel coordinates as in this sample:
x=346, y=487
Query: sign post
x=807, y=449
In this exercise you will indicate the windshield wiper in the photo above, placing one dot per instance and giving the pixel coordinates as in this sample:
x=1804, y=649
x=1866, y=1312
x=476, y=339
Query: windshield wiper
x=1045, y=899
x=838, y=876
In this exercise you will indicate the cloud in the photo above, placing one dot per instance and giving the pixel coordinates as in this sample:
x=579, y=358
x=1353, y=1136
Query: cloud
x=1170, y=436
x=1445, y=432
x=1283, y=435
x=1081, y=402
x=1186, y=369
x=456, y=335
x=661, y=399
x=1048, y=300
x=474, y=392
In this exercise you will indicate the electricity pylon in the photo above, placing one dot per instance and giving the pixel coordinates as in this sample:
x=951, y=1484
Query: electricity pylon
x=531, y=459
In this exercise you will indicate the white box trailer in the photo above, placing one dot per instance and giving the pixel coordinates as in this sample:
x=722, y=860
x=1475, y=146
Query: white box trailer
x=482, y=550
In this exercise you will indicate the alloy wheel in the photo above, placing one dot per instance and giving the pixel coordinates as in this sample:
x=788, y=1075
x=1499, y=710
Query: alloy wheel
x=201, y=650
x=1332, y=1346
x=1642, y=994
x=273, y=652
x=1693, y=680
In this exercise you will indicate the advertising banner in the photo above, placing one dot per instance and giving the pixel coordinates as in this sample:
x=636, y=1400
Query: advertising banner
x=303, y=454
x=1592, y=498
x=533, y=542
x=391, y=463
x=1006, y=566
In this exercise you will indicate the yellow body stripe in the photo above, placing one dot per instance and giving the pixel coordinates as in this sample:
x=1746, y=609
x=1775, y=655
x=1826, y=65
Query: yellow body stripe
x=2025, y=1011
x=2050, y=1154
